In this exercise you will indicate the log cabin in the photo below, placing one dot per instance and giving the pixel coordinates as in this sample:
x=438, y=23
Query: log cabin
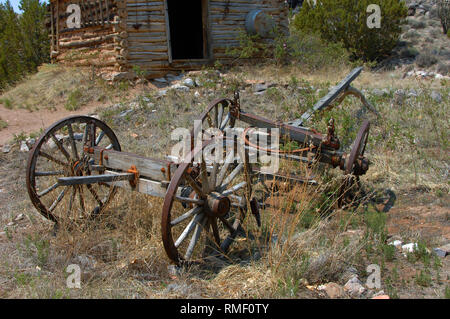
x=118, y=37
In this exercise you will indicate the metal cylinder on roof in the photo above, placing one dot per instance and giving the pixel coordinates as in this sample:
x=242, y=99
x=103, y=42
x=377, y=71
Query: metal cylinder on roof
x=258, y=22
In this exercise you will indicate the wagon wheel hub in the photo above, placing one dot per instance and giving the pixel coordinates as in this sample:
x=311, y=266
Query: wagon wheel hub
x=217, y=205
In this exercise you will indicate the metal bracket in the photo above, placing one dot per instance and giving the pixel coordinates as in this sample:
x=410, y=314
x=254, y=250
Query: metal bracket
x=134, y=171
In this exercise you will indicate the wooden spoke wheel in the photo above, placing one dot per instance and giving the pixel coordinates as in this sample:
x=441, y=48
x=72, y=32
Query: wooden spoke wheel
x=61, y=152
x=217, y=117
x=205, y=206
x=355, y=166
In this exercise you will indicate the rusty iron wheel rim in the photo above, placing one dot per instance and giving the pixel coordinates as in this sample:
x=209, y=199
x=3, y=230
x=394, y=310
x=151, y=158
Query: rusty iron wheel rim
x=36, y=155
x=358, y=149
x=175, y=249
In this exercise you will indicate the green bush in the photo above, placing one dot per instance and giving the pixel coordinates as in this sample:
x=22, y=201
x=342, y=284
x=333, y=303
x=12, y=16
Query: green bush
x=444, y=15
x=345, y=21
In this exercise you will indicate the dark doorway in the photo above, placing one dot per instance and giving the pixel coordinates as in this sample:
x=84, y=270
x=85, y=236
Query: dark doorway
x=186, y=29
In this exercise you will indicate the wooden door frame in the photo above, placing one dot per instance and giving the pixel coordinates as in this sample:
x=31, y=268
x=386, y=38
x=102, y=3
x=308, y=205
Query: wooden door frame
x=206, y=23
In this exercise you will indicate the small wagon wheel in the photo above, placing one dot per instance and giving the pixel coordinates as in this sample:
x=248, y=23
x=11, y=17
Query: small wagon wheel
x=204, y=208
x=59, y=152
x=351, y=171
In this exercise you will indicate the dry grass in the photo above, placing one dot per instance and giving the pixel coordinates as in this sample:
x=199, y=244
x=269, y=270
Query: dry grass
x=54, y=86
x=304, y=239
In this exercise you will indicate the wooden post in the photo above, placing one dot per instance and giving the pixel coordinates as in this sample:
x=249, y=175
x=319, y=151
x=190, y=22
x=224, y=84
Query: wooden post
x=169, y=45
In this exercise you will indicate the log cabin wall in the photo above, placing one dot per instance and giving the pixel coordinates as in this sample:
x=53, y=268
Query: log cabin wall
x=96, y=42
x=122, y=35
x=227, y=20
x=147, y=46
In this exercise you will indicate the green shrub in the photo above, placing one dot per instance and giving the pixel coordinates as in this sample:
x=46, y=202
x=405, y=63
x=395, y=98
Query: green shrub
x=3, y=124
x=74, y=100
x=426, y=59
x=345, y=21
x=312, y=52
x=444, y=15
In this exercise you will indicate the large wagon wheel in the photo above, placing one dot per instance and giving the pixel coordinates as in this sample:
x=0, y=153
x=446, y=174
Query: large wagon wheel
x=354, y=166
x=59, y=152
x=205, y=206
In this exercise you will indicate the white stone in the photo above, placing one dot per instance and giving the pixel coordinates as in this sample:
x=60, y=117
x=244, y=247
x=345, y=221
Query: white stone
x=180, y=87
x=24, y=147
x=396, y=243
x=189, y=82
x=409, y=247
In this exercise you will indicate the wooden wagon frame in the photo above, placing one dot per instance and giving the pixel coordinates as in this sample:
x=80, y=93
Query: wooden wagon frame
x=208, y=198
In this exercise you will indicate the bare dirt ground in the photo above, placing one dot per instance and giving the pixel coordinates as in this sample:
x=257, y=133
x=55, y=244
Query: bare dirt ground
x=128, y=261
x=24, y=121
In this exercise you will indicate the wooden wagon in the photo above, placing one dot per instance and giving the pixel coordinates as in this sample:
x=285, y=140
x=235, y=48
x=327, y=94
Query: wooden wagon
x=79, y=161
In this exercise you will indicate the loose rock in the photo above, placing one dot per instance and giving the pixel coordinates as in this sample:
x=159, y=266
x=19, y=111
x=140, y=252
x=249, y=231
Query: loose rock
x=189, y=82
x=354, y=287
x=6, y=148
x=436, y=96
x=333, y=290
x=24, y=147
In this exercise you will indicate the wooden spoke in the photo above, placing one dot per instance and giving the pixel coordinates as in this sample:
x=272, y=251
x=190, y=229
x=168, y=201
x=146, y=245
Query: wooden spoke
x=194, y=184
x=204, y=176
x=60, y=146
x=195, y=238
x=220, y=115
x=189, y=200
x=72, y=198
x=214, y=175
x=51, y=158
x=48, y=190
x=94, y=194
x=58, y=200
x=215, y=230
x=85, y=134
x=189, y=228
x=193, y=211
x=72, y=142
x=224, y=168
x=99, y=138
x=227, y=224
x=225, y=121
x=232, y=175
x=81, y=198
x=234, y=189
x=51, y=173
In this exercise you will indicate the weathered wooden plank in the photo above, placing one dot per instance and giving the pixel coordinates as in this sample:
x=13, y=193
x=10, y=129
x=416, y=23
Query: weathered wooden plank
x=147, y=167
x=144, y=186
x=92, y=179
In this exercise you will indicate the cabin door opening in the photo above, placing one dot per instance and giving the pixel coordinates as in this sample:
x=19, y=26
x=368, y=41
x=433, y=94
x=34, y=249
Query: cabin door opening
x=187, y=36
